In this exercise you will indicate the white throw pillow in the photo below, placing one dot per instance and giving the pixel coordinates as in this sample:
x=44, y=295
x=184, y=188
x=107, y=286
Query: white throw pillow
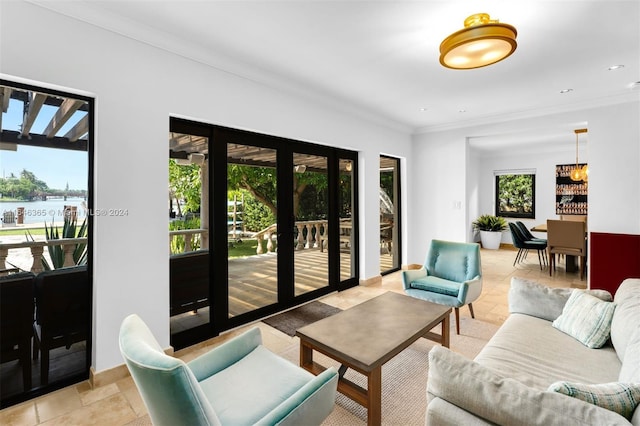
x=622, y=398
x=586, y=319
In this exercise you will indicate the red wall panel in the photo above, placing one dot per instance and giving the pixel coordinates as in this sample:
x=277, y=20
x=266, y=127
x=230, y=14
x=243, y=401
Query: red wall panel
x=612, y=258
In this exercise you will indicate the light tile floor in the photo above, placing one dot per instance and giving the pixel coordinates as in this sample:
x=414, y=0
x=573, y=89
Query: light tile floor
x=120, y=404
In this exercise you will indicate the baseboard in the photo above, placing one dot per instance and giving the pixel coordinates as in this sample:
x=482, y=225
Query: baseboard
x=377, y=280
x=112, y=375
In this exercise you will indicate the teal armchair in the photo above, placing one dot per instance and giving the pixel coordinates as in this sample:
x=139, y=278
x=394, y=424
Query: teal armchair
x=237, y=383
x=451, y=276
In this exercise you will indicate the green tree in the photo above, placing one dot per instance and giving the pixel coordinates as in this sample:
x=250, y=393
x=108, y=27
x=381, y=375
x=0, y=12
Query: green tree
x=515, y=193
x=185, y=183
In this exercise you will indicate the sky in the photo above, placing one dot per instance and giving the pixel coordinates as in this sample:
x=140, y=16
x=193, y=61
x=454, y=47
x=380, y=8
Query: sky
x=56, y=167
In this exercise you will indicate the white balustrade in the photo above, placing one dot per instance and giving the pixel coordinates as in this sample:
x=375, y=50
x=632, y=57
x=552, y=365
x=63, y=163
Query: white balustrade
x=37, y=251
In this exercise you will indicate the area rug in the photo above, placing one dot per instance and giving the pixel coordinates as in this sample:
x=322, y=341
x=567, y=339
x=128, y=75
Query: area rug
x=288, y=322
x=404, y=378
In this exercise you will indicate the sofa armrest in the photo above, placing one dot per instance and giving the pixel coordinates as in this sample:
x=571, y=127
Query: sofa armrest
x=412, y=275
x=537, y=300
x=311, y=404
x=482, y=392
x=221, y=357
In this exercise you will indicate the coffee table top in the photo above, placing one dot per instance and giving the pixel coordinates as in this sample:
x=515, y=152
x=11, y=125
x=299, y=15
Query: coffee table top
x=371, y=333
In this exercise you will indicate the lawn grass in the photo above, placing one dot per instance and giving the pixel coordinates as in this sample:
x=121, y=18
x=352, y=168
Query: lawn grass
x=247, y=247
x=21, y=231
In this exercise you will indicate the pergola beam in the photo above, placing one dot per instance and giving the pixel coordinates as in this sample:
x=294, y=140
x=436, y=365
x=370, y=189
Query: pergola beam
x=36, y=100
x=5, y=95
x=80, y=129
x=64, y=113
x=41, y=141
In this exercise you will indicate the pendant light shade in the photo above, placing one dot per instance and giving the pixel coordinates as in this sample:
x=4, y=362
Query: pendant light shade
x=482, y=42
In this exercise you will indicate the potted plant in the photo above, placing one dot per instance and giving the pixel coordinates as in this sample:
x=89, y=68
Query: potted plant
x=490, y=228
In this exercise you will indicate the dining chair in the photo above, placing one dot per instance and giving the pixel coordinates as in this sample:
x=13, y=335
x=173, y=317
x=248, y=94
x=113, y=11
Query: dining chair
x=524, y=245
x=528, y=235
x=62, y=312
x=16, y=318
x=568, y=238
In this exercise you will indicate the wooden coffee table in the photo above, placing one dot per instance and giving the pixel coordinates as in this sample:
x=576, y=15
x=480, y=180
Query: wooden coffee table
x=367, y=336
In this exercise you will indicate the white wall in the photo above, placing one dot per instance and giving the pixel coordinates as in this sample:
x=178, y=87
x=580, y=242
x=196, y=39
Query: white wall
x=137, y=88
x=613, y=153
x=438, y=200
x=544, y=165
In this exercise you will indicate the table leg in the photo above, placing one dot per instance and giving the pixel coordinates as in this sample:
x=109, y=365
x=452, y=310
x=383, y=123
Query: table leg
x=374, y=395
x=445, y=331
x=306, y=356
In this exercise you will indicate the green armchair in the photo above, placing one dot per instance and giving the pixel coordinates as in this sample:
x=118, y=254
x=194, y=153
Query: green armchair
x=237, y=383
x=451, y=275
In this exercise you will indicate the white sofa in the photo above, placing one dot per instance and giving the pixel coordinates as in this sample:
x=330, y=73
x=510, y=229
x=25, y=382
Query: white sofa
x=507, y=382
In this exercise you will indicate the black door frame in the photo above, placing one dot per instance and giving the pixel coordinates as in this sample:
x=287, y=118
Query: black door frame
x=219, y=137
x=69, y=380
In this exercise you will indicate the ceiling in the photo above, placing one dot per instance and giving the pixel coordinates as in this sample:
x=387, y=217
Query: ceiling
x=379, y=59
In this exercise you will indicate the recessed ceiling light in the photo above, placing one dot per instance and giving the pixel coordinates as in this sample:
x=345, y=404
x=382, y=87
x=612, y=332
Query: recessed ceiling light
x=615, y=67
x=424, y=109
x=566, y=90
x=635, y=85
x=462, y=110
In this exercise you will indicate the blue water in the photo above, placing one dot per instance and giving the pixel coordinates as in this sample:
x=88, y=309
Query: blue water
x=43, y=211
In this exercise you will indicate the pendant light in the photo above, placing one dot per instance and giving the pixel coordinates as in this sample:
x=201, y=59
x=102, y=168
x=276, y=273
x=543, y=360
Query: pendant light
x=579, y=174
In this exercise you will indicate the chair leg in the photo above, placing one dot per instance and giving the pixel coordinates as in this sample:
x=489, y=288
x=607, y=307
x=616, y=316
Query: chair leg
x=581, y=267
x=457, y=310
x=517, y=257
x=471, y=310
x=552, y=263
x=539, y=259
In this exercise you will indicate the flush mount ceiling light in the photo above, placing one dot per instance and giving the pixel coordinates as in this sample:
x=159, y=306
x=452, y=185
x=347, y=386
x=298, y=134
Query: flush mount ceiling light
x=483, y=41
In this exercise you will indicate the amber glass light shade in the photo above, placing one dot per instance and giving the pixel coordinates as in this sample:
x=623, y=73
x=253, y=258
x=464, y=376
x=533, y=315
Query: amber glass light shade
x=482, y=42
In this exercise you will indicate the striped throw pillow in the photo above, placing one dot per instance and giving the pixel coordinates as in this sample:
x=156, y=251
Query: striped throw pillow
x=586, y=318
x=623, y=398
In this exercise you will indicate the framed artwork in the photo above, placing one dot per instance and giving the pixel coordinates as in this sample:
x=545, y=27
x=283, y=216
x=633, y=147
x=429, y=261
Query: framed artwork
x=571, y=196
x=516, y=195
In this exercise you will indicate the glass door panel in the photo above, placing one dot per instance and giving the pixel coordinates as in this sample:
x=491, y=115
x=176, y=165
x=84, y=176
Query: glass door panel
x=252, y=216
x=188, y=232
x=345, y=219
x=311, y=225
x=389, y=214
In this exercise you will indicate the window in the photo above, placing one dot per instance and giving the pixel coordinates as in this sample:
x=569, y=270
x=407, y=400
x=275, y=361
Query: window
x=516, y=194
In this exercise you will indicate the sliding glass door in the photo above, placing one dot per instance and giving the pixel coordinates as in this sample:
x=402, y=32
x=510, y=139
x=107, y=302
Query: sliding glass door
x=389, y=214
x=280, y=225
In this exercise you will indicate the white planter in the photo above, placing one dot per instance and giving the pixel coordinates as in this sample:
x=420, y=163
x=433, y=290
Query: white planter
x=490, y=239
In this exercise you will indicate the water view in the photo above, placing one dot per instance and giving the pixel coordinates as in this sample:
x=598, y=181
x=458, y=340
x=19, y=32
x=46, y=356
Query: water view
x=43, y=211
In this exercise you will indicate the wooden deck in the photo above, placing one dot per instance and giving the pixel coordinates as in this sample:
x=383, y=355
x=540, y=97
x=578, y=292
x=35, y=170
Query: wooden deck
x=253, y=282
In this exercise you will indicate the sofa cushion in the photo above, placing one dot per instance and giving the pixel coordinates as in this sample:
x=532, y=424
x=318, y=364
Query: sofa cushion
x=500, y=400
x=630, y=371
x=532, y=298
x=531, y=351
x=586, y=318
x=622, y=398
x=626, y=319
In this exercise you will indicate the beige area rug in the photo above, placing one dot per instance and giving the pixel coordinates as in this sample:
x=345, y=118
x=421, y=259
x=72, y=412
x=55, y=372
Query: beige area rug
x=404, y=378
